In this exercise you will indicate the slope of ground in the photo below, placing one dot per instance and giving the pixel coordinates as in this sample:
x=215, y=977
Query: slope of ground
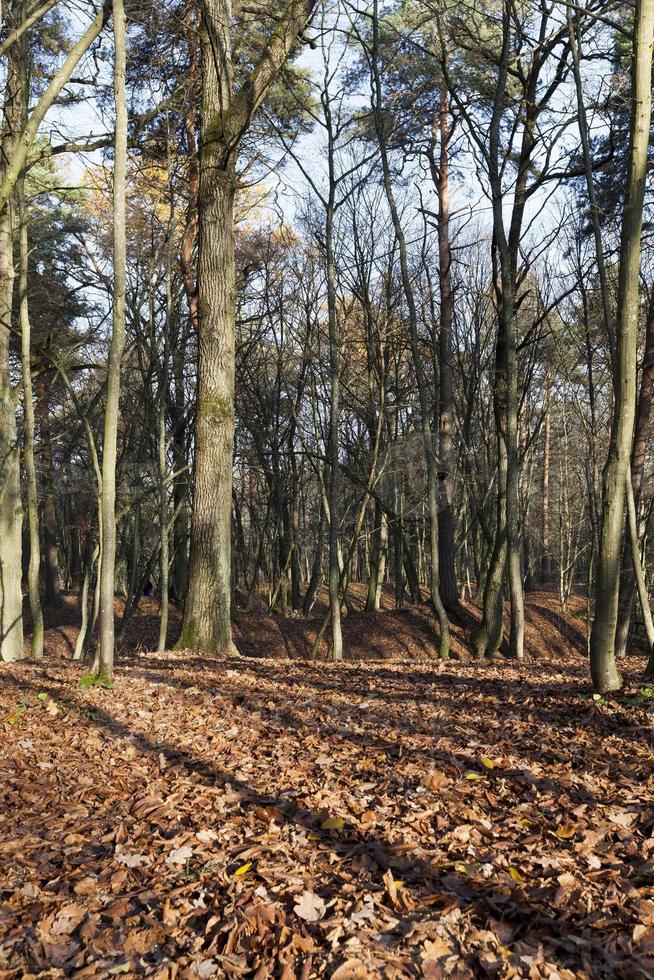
x=411, y=632
x=267, y=817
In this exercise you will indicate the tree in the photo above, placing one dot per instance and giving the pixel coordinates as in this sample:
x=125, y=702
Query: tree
x=104, y=663
x=15, y=143
x=425, y=414
x=605, y=674
x=225, y=119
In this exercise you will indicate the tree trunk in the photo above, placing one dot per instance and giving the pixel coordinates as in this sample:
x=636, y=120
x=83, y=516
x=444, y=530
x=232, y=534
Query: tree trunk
x=162, y=439
x=316, y=568
x=448, y=583
x=207, y=613
x=425, y=409
x=378, y=559
x=105, y=658
x=28, y=446
x=180, y=485
x=334, y=416
x=545, y=564
x=643, y=411
x=50, y=548
x=488, y=638
x=11, y=513
x=603, y=636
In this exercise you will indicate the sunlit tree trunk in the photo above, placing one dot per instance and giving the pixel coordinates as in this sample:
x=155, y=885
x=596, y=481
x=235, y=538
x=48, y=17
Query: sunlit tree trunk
x=207, y=618
x=336, y=649
x=225, y=118
x=162, y=439
x=51, y=551
x=105, y=658
x=643, y=411
x=28, y=440
x=545, y=564
x=604, y=672
x=11, y=513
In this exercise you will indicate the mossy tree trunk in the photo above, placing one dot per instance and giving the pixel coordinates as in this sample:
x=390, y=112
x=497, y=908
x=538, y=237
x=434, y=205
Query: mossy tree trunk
x=225, y=118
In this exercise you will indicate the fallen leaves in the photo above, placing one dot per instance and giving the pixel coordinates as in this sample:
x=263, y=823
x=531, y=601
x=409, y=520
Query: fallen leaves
x=286, y=819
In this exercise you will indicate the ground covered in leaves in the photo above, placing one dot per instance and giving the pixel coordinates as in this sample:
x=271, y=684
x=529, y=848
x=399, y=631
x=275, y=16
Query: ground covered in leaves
x=276, y=818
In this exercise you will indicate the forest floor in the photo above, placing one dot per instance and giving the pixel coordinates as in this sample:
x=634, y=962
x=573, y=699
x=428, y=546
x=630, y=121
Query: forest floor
x=393, y=816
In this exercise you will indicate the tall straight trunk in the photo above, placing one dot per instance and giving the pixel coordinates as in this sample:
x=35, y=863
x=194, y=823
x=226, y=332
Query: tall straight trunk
x=398, y=546
x=378, y=559
x=162, y=440
x=513, y=473
x=604, y=672
x=105, y=658
x=28, y=441
x=488, y=638
x=50, y=547
x=545, y=564
x=225, y=118
x=296, y=598
x=505, y=393
x=180, y=533
x=639, y=574
x=418, y=366
x=448, y=583
x=11, y=513
x=643, y=411
x=334, y=418
x=180, y=485
x=316, y=568
x=190, y=231
x=207, y=612
x=15, y=144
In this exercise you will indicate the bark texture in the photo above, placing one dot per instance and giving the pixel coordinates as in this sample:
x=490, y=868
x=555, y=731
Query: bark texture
x=604, y=672
x=105, y=657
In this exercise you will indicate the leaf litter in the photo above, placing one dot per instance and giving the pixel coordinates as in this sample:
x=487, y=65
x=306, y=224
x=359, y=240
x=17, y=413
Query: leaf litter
x=272, y=818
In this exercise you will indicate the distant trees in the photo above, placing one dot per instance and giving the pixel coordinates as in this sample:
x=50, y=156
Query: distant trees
x=373, y=323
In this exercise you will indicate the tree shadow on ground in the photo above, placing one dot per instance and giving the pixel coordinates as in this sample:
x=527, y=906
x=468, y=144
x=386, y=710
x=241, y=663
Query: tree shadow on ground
x=567, y=933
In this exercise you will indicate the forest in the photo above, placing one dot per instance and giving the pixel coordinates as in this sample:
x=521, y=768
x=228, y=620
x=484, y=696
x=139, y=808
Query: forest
x=326, y=489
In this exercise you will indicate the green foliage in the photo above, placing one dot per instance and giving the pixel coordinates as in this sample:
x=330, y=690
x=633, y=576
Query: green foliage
x=640, y=697
x=95, y=680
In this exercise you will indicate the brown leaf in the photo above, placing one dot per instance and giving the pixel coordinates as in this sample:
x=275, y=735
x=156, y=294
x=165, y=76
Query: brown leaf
x=353, y=969
x=309, y=907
